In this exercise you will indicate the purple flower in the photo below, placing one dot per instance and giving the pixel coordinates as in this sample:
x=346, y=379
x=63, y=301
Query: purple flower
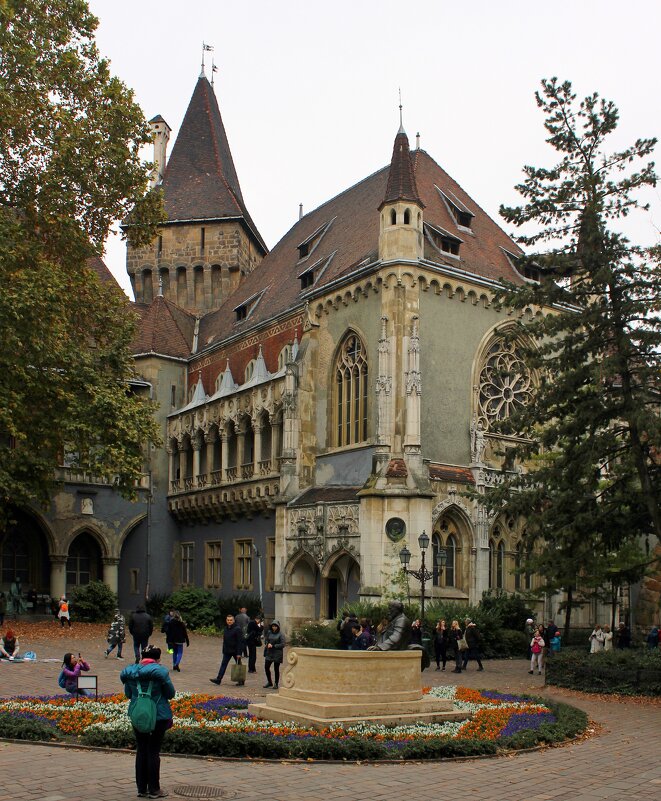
x=518, y=722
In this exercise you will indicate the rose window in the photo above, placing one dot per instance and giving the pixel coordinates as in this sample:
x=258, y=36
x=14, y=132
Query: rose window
x=505, y=383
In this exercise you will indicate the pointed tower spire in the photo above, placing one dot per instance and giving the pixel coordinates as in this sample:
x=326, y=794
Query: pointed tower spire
x=401, y=178
x=400, y=231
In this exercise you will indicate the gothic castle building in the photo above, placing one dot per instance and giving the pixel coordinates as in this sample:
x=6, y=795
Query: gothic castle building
x=322, y=404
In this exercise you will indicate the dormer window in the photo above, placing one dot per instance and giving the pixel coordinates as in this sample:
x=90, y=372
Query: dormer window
x=313, y=272
x=461, y=214
x=245, y=309
x=443, y=240
x=250, y=369
x=529, y=271
x=307, y=279
x=308, y=245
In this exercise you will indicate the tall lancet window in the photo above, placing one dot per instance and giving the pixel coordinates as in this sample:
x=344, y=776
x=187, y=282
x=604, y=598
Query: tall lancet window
x=350, y=377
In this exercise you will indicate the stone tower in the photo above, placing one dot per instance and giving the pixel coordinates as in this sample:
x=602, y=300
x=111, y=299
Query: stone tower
x=400, y=227
x=209, y=242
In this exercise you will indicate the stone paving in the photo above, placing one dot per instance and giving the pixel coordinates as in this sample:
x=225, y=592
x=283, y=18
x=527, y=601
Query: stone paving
x=622, y=760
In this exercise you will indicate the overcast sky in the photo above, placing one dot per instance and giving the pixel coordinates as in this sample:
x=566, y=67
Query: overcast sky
x=308, y=91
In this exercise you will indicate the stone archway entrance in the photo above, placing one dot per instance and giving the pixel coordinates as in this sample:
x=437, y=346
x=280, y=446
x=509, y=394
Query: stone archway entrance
x=84, y=561
x=24, y=554
x=340, y=584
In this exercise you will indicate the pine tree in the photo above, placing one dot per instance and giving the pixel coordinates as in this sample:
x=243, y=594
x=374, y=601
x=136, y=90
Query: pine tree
x=591, y=438
x=70, y=139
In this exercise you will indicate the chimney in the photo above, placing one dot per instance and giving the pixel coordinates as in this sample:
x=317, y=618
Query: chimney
x=417, y=141
x=300, y=211
x=161, y=133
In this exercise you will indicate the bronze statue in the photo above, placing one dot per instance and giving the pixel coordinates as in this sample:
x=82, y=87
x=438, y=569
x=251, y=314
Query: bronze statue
x=397, y=634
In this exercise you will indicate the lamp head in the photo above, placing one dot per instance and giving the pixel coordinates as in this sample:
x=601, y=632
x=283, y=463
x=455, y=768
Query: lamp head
x=423, y=541
x=405, y=556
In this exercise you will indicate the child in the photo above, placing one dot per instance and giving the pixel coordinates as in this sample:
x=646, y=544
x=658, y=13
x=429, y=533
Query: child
x=537, y=645
x=555, y=642
x=116, y=635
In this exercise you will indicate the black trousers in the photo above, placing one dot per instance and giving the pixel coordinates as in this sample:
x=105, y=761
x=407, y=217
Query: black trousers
x=276, y=670
x=252, y=656
x=148, y=758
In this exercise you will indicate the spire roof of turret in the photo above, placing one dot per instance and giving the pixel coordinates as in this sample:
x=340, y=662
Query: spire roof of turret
x=401, y=177
x=200, y=181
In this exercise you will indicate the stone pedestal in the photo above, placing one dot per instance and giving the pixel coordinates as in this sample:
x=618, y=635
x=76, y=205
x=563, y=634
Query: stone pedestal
x=321, y=687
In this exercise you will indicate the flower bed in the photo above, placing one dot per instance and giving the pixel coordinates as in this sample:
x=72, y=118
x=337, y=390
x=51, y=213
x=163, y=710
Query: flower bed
x=206, y=724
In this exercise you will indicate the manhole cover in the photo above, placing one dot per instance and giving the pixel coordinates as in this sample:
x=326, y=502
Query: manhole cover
x=200, y=791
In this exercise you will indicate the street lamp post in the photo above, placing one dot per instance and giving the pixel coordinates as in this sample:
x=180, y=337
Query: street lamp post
x=423, y=575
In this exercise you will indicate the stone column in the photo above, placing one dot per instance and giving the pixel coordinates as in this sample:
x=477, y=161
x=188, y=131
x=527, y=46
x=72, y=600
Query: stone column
x=413, y=391
x=171, y=464
x=257, y=449
x=182, y=462
x=196, y=444
x=223, y=456
x=240, y=448
x=276, y=439
x=210, y=438
x=110, y=574
x=58, y=575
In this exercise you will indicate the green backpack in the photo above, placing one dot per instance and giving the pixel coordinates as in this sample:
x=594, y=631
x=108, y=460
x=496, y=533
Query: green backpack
x=143, y=712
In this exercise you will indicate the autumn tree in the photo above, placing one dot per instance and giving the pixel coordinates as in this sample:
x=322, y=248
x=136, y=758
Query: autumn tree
x=591, y=437
x=70, y=165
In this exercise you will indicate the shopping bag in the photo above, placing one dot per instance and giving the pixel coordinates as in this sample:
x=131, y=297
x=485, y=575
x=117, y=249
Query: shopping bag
x=239, y=672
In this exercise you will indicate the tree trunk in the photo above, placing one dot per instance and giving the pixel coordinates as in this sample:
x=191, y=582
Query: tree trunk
x=568, y=607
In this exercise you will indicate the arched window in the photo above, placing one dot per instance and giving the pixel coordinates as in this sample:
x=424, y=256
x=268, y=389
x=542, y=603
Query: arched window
x=393, y=217
x=250, y=369
x=147, y=287
x=407, y=217
x=518, y=552
x=284, y=356
x=492, y=561
x=451, y=563
x=504, y=381
x=350, y=385
x=500, y=565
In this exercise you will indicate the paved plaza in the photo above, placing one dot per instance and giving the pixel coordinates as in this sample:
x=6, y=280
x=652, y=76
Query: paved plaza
x=623, y=759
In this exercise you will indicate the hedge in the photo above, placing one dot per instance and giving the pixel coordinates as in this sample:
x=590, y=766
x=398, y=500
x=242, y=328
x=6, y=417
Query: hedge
x=26, y=728
x=625, y=672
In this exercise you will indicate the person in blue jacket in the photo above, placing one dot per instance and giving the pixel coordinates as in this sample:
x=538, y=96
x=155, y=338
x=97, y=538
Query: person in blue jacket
x=148, y=746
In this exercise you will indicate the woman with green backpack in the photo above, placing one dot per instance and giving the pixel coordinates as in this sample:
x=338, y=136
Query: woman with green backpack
x=148, y=687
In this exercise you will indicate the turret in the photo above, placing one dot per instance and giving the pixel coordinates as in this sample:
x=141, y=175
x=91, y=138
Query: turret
x=161, y=132
x=400, y=231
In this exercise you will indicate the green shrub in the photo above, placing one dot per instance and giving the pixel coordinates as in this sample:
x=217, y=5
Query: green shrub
x=197, y=606
x=446, y=748
x=15, y=728
x=511, y=610
x=315, y=635
x=156, y=604
x=626, y=672
x=209, y=631
x=93, y=603
x=510, y=643
x=231, y=604
x=113, y=738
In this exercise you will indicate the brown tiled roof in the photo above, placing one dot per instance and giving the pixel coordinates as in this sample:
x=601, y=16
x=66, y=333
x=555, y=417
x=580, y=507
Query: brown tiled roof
x=104, y=275
x=200, y=181
x=353, y=239
x=401, y=178
x=446, y=472
x=326, y=495
x=164, y=328
x=396, y=469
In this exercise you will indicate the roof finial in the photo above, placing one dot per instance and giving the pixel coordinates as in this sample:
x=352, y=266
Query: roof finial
x=401, y=124
x=205, y=48
x=214, y=69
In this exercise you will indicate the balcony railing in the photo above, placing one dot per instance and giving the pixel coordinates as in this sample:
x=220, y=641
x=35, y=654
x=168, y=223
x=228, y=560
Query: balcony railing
x=79, y=475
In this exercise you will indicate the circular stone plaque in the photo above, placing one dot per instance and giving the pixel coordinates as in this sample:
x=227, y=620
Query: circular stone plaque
x=395, y=529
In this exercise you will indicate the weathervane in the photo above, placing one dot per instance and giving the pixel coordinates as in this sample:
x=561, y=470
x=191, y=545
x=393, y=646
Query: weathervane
x=214, y=69
x=205, y=48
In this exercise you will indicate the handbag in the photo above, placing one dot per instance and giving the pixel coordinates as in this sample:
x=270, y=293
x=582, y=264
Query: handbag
x=238, y=673
x=462, y=644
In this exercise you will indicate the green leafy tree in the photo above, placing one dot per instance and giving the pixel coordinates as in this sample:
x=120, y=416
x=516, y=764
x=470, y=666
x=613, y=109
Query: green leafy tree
x=70, y=139
x=591, y=437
